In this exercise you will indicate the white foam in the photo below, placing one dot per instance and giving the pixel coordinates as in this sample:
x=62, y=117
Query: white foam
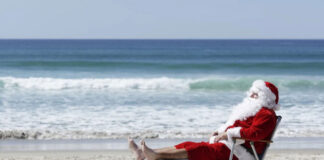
x=219, y=83
x=162, y=83
x=113, y=123
x=139, y=122
x=170, y=113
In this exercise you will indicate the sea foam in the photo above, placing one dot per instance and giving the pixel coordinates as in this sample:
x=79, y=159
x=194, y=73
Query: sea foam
x=159, y=83
x=163, y=107
x=108, y=83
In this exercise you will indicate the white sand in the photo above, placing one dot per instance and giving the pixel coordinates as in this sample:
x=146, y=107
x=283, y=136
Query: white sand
x=298, y=154
x=291, y=154
x=67, y=155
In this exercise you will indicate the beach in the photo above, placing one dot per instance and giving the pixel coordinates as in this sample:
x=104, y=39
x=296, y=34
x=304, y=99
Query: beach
x=86, y=79
x=296, y=154
x=282, y=149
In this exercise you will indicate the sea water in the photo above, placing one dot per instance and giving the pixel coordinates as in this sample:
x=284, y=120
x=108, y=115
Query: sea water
x=81, y=89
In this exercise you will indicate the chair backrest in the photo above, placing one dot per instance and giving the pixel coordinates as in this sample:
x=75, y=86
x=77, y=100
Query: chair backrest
x=261, y=156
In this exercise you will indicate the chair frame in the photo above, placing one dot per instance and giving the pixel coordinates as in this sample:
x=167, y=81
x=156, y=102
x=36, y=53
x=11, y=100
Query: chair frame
x=256, y=155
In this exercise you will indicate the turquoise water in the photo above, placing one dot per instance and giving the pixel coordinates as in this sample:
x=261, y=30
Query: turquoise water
x=78, y=89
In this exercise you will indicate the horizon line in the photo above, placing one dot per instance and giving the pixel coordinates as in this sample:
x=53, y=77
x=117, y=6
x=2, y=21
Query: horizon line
x=161, y=38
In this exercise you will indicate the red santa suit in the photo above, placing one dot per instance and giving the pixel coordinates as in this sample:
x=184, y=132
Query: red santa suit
x=253, y=119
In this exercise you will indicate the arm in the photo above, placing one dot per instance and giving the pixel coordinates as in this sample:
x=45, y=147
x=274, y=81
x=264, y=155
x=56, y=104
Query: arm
x=263, y=124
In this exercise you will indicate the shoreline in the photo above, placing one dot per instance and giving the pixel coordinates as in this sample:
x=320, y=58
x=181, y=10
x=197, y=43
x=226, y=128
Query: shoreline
x=273, y=154
x=121, y=144
x=283, y=148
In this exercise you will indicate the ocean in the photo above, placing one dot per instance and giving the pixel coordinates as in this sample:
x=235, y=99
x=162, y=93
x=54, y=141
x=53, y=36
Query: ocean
x=107, y=89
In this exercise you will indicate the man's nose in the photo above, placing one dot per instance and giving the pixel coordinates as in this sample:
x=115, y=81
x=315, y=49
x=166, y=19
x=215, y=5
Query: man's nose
x=253, y=95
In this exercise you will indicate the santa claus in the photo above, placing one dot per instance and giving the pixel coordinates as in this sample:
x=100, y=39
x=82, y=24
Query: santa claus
x=252, y=119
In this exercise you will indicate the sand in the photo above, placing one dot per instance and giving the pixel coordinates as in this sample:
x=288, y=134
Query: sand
x=282, y=154
x=67, y=155
x=302, y=148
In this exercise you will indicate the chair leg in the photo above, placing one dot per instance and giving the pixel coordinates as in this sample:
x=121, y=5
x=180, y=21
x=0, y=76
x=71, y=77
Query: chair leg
x=254, y=151
x=232, y=150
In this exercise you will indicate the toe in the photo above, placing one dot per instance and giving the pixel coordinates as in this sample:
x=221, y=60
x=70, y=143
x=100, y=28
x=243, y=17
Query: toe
x=142, y=142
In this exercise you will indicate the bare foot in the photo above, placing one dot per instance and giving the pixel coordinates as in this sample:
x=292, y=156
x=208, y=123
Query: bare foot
x=137, y=151
x=148, y=152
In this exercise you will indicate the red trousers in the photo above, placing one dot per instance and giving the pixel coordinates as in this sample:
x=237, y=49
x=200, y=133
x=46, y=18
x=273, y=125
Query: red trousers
x=206, y=151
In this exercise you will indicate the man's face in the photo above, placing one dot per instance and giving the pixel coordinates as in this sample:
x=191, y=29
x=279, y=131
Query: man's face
x=254, y=95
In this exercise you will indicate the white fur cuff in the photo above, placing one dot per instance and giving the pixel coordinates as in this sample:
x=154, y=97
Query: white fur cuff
x=212, y=139
x=233, y=132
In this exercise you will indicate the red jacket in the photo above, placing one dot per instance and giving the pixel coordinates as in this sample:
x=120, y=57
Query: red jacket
x=258, y=127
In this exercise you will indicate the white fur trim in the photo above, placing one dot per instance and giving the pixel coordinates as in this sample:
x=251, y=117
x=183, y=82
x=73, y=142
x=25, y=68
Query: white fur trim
x=223, y=127
x=249, y=107
x=242, y=154
x=212, y=139
x=266, y=96
x=234, y=132
x=239, y=151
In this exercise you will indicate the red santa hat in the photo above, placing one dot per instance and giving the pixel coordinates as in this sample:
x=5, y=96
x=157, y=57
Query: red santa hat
x=268, y=93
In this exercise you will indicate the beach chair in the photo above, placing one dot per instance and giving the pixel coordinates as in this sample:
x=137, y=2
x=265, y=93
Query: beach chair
x=257, y=156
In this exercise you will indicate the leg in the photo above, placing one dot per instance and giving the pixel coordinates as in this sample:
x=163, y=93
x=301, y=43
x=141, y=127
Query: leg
x=164, y=149
x=135, y=149
x=167, y=153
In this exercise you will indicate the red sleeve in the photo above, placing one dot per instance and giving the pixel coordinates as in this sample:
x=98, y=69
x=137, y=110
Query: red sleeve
x=262, y=126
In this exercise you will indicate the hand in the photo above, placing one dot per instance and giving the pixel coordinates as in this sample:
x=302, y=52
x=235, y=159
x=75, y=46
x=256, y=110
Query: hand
x=222, y=136
x=214, y=134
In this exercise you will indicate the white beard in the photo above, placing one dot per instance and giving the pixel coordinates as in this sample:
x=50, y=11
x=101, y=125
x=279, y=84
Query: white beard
x=247, y=108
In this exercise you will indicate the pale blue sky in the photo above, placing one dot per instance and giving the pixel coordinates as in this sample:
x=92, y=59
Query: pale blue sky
x=180, y=19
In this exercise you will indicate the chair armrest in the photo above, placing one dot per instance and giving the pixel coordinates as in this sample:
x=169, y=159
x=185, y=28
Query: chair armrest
x=264, y=141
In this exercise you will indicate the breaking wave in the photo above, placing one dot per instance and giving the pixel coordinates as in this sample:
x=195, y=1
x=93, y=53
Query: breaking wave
x=46, y=135
x=162, y=83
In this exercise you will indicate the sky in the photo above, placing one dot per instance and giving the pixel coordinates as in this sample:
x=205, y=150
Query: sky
x=162, y=19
